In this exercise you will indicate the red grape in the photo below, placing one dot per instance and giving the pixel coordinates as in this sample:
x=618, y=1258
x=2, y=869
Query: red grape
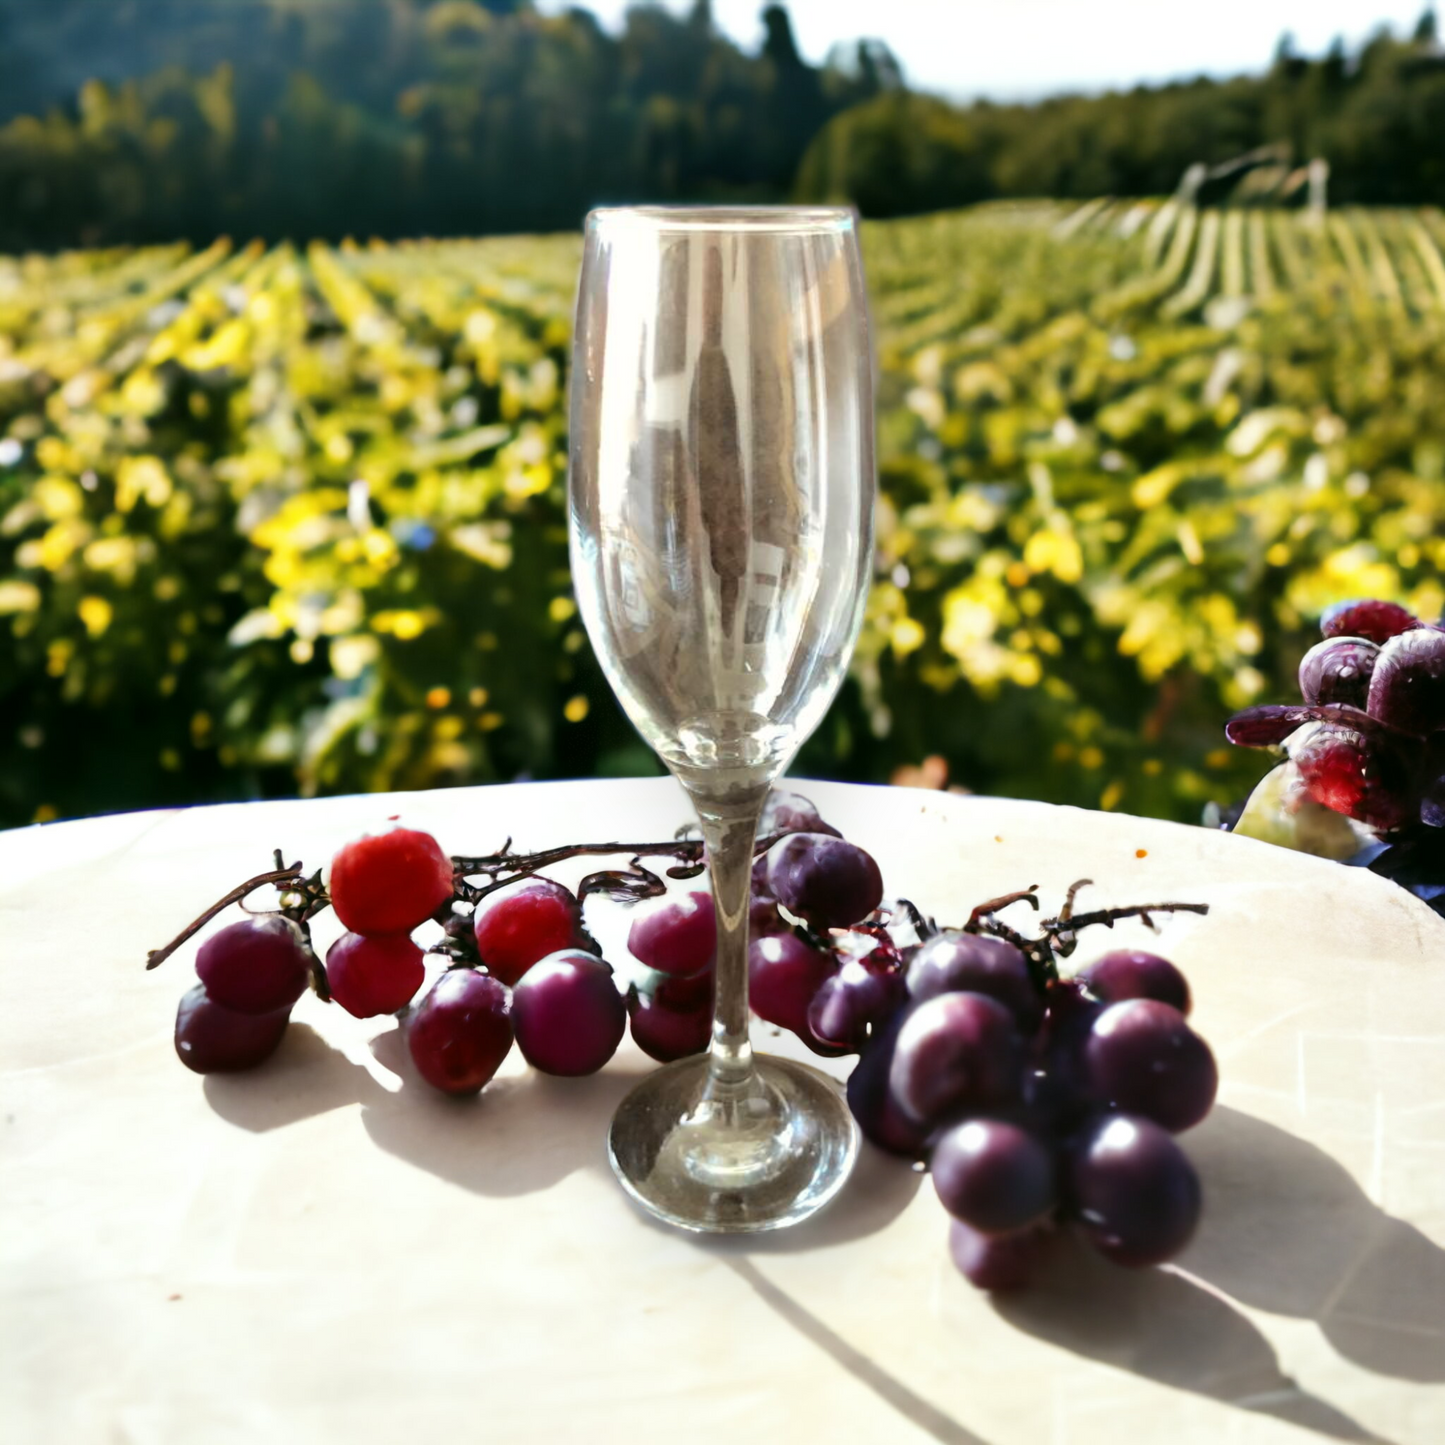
x=1141, y=1057
x=1132, y=973
x=784, y=973
x=255, y=966
x=954, y=962
x=461, y=1031
x=1338, y=670
x=215, y=1040
x=994, y=1175
x=1134, y=1190
x=678, y=935
x=827, y=881
x=1407, y=689
x=1361, y=777
x=389, y=882
x=959, y=1050
x=1377, y=621
x=665, y=1033
x=568, y=1014
x=371, y=974
x=520, y=924
x=1002, y=1262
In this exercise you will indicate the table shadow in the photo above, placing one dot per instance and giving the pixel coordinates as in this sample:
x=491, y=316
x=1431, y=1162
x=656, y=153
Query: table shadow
x=1159, y=1324
x=523, y=1133
x=1286, y=1229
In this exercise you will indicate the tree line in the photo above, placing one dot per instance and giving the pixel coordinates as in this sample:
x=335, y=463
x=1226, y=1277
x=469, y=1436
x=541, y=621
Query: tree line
x=184, y=119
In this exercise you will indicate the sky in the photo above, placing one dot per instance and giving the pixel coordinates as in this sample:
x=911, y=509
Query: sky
x=1022, y=49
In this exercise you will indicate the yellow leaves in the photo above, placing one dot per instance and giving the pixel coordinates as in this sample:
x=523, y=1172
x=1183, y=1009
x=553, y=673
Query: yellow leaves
x=58, y=498
x=95, y=613
x=576, y=708
x=405, y=624
x=488, y=543
x=17, y=596
x=141, y=394
x=1056, y=550
x=351, y=656
x=907, y=635
x=141, y=478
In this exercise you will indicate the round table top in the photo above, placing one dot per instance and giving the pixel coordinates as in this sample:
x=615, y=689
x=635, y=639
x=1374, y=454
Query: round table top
x=325, y=1250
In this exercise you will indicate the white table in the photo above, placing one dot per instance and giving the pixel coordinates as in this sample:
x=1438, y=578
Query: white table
x=324, y=1250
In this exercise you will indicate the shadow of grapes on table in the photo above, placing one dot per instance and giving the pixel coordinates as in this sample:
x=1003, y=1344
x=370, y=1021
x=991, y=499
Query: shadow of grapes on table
x=522, y=1134
x=1286, y=1229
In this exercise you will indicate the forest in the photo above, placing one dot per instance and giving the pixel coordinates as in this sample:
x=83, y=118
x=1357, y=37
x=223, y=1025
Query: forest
x=132, y=123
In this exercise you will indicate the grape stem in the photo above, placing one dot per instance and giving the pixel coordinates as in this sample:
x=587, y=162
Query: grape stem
x=277, y=875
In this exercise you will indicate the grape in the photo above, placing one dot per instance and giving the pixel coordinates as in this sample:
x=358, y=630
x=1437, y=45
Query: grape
x=825, y=880
x=461, y=1031
x=568, y=1014
x=389, y=882
x=764, y=918
x=1338, y=670
x=215, y=1040
x=1131, y=973
x=1377, y=621
x=683, y=995
x=255, y=966
x=1363, y=778
x=872, y=1103
x=519, y=925
x=1142, y=1058
x=952, y=961
x=994, y=1175
x=1004, y=1262
x=664, y=1033
x=786, y=812
x=374, y=974
x=1407, y=690
x=1134, y=1190
x=852, y=1003
x=678, y=936
x=784, y=973
x=959, y=1050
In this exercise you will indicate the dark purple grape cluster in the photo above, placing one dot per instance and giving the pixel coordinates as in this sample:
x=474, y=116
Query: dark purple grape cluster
x=1369, y=737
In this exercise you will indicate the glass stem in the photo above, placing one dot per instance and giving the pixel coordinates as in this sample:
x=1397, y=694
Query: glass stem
x=729, y=829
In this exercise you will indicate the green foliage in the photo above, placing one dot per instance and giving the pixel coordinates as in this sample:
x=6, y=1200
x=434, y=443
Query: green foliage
x=273, y=520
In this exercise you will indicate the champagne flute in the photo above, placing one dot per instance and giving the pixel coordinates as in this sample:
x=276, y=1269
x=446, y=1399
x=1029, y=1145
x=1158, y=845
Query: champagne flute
x=721, y=489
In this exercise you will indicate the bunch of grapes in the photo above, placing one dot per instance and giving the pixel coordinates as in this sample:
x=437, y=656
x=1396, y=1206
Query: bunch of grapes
x=1368, y=741
x=1034, y=1098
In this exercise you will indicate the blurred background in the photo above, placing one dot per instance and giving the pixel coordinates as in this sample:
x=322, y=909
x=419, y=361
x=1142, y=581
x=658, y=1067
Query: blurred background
x=285, y=295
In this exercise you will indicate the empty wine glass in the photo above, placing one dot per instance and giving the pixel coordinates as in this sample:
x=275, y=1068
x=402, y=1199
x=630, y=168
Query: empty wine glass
x=722, y=483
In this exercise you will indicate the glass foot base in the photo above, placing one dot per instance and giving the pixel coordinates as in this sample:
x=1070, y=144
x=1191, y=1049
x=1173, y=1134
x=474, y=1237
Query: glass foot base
x=722, y=1158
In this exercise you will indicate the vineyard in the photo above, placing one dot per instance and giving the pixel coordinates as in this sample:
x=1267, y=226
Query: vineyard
x=280, y=520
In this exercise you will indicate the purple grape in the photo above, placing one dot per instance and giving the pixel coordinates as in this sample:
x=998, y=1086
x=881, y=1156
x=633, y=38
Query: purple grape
x=854, y=1003
x=994, y=1175
x=1134, y=1190
x=461, y=1031
x=1373, y=620
x=215, y=1040
x=825, y=880
x=957, y=1051
x=764, y=918
x=255, y=966
x=871, y=1100
x=567, y=1013
x=784, y=973
x=684, y=995
x=1407, y=689
x=786, y=812
x=664, y=1033
x=1338, y=670
x=954, y=962
x=1131, y=973
x=525, y=922
x=1363, y=778
x=1005, y=1262
x=1143, y=1058
x=677, y=936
